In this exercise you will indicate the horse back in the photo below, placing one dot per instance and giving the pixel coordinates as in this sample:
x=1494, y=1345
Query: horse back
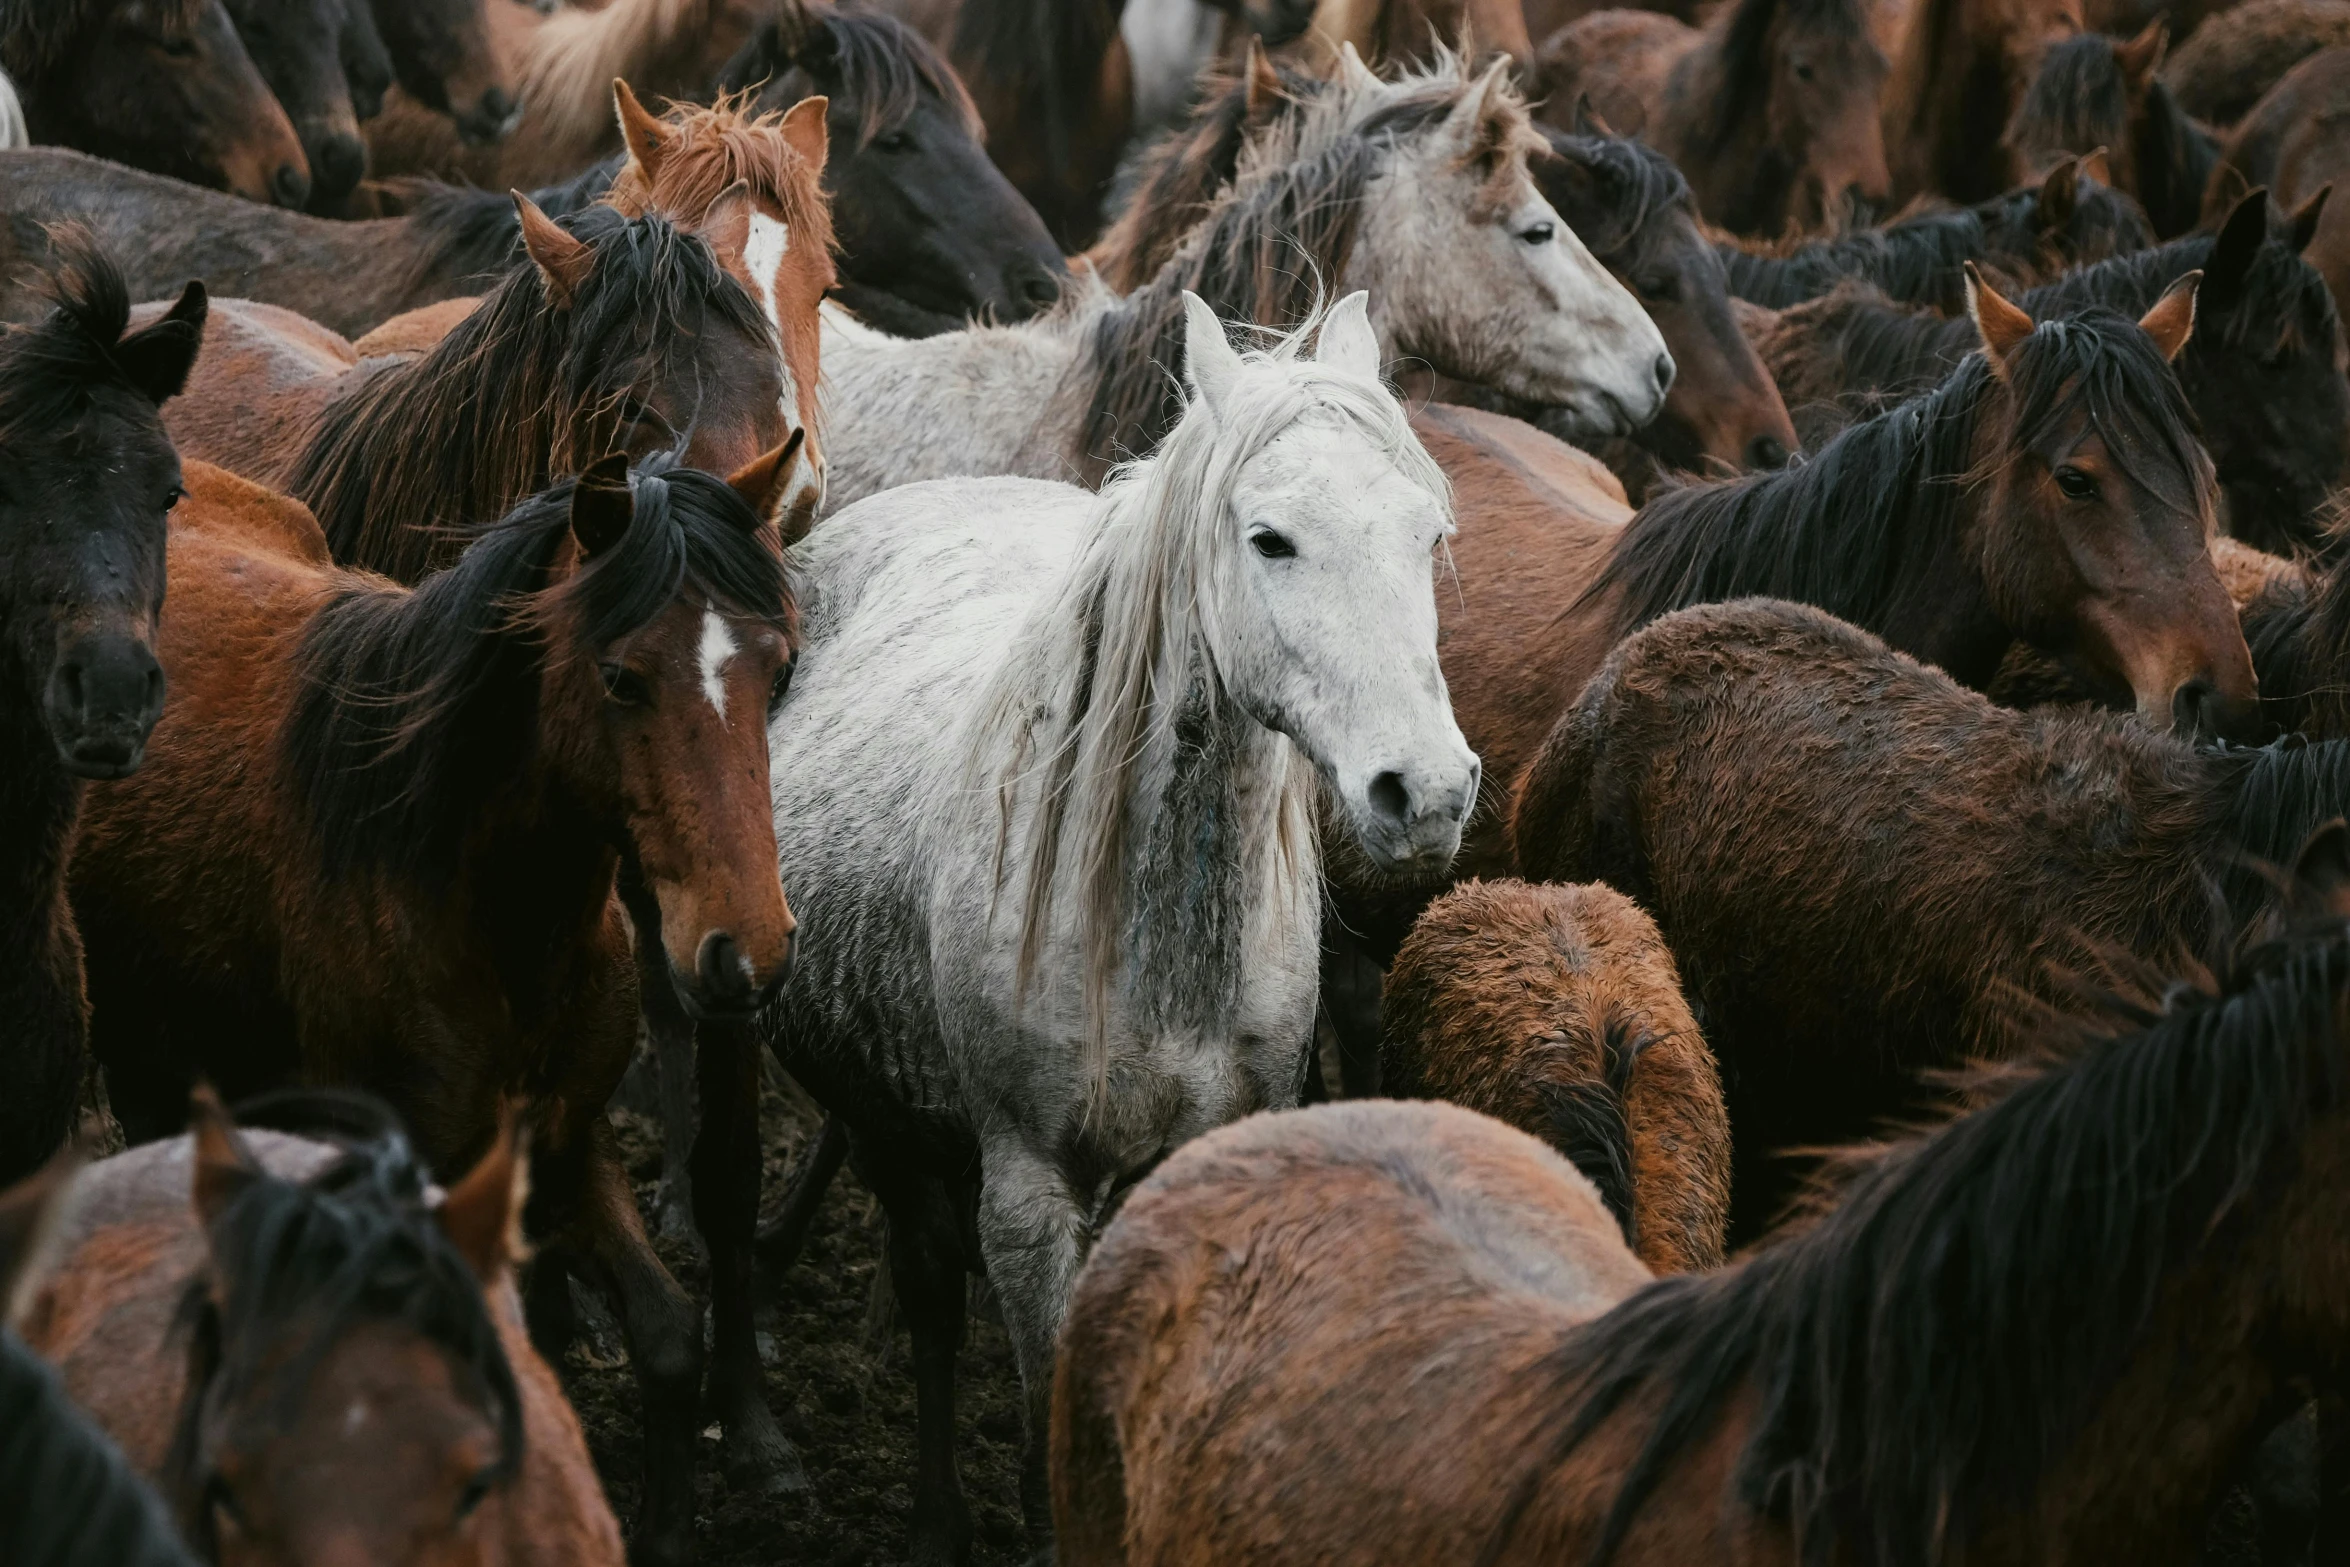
x=259, y=383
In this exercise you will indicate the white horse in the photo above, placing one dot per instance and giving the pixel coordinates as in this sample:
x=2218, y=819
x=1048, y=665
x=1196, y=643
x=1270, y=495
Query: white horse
x=1416, y=190
x=1046, y=781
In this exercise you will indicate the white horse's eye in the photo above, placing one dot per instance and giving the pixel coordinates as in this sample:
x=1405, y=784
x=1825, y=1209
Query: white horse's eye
x=1272, y=545
x=1539, y=233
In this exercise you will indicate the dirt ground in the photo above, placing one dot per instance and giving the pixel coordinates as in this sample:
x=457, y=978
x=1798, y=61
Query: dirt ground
x=840, y=1387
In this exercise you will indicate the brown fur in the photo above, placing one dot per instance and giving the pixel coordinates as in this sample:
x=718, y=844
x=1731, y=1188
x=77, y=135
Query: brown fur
x=2296, y=142
x=1397, y=34
x=2222, y=68
x=1554, y=1007
x=1961, y=70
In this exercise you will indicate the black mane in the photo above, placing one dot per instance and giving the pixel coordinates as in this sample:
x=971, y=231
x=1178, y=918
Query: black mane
x=880, y=70
x=414, y=706
x=75, y=1500
x=1637, y=188
x=2078, y=101
x=49, y=370
x=1918, y=1357
x=1040, y=53
x=476, y=235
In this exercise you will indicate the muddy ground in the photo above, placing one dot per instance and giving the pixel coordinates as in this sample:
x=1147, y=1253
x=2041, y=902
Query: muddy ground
x=839, y=1385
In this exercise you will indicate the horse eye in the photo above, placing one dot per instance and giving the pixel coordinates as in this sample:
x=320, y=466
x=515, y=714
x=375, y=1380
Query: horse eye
x=476, y=1491
x=1665, y=286
x=1802, y=70
x=893, y=141
x=1271, y=545
x=625, y=686
x=1538, y=234
x=777, y=691
x=173, y=496
x=224, y=1506
x=177, y=48
x=2076, y=485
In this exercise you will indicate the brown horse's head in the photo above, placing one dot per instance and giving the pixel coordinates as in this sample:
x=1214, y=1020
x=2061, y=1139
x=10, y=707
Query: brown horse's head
x=441, y=55
x=2101, y=509
x=157, y=84
x=352, y=1397
x=87, y=477
x=298, y=46
x=1826, y=77
x=669, y=650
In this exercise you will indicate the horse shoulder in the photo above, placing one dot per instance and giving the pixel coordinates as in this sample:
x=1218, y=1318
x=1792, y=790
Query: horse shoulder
x=415, y=333
x=234, y=507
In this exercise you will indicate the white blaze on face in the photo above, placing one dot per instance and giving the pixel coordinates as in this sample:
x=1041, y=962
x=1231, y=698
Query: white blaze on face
x=763, y=258
x=718, y=645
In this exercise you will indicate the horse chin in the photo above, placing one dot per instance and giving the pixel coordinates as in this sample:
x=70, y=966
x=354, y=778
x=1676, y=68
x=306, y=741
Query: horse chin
x=101, y=759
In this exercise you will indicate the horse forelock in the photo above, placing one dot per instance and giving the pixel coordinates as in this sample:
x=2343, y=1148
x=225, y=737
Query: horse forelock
x=49, y=368
x=715, y=146
x=2100, y=366
x=887, y=69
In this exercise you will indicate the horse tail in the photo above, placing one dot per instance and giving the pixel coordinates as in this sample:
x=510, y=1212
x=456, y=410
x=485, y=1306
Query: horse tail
x=1588, y=1122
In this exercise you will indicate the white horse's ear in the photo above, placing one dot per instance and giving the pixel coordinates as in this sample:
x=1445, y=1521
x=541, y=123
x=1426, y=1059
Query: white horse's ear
x=1352, y=70
x=1348, y=344
x=1208, y=356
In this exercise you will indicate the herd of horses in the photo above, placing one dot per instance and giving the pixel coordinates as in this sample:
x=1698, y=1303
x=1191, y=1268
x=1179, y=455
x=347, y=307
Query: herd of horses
x=1718, y=635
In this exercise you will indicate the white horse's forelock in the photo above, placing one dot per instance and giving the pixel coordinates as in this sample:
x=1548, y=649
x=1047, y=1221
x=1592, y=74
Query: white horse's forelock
x=1130, y=634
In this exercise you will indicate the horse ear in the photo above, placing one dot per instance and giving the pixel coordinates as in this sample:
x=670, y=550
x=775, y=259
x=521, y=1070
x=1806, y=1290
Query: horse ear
x=2302, y=227
x=1587, y=119
x=1348, y=344
x=1352, y=70
x=482, y=1214
x=157, y=359
x=2238, y=246
x=2171, y=321
x=2141, y=57
x=649, y=141
x=224, y=1167
x=766, y=479
x=2000, y=324
x=1209, y=359
x=805, y=132
x=2321, y=874
x=1474, y=126
x=726, y=224
x=29, y=1211
x=2097, y=164
x=563, y=259
x=2059, y=195
x=603, y=504
x=1264, y=83
x=2227, y=187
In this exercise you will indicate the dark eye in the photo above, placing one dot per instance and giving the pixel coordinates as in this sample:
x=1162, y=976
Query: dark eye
x=2076, y=485
x=173, y=496
x=625, y=686
x=476, y=1490
x=225, y=1510
x=893, y=141
x=777, y=691
x=1664, y=286
x=1538, y=233
x=178, y=46
x=1271, y=545
x=1803, y=70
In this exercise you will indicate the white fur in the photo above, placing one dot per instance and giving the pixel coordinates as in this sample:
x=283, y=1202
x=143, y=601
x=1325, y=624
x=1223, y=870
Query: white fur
x=763, y=253
x=943, y=793
x=717, y=647
x=1168, y=44
x=12, y=126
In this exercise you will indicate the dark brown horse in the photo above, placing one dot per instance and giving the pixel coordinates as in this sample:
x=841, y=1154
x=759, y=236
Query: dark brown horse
x=441, y=56
x=2093, y=92
x=90, y=477
x=157, y=84
x=1910, y=859
x=2224, y=67
x=2033, y=234
x=1960, y=72
x=317, y=1354
x=403, y=812
x=2296, y=141
x=1770, y=110
x=2048, y=1331
x=1558, y=1010
x=297, y=46
x=2263, y=373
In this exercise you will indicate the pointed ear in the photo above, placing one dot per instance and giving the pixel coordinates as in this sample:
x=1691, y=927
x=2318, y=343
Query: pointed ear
x=29, y=1212
x=603, y=504
x=2000, y=324
x=649, y=141
x=766, y=479
x=2227, y=187
x=805, y=132
x=224, y=1167
x=2171, y=321
x=727, y=225
x=1264, y=83
x=1348, y=343
x=2301, y=228
x=2097, y=164
x=1474, y=125
x=2059, y=196
x=2141, y=57
x=1209, y=360
x=2320, y=886
x=1587, y=119
x=2238, y=246
x=156, y=359
x=482, y=1214
x=1351, y=69
x=563, y=259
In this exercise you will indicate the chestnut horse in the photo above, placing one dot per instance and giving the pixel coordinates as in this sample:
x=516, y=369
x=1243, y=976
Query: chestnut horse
x=1558, y=1010
x=1910, y=858
x=1960, y=71
x=2296, y=141
x=319, y=1356
x=2263, y=374
x=91, y=475
x=168, y=87
x=378, y=833
x=1398, y=1334
x=1770, y=110
x=2092, y=92
x=614, y=332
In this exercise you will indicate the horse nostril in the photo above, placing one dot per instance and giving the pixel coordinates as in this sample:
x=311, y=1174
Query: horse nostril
x=496, y=105
x=1766, y=451
x=1665, y=370
x=1390, y=799
x=720, y=968
x=2191, y=707
x=290, y=185
x=340, y=164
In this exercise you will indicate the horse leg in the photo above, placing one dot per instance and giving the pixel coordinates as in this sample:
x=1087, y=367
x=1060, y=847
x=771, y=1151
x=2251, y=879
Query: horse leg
x=927, y=1268
x=664, y=1332
x=670, y=1032
x=1031, y=1231
x=780, y=1242
x=758, y=1456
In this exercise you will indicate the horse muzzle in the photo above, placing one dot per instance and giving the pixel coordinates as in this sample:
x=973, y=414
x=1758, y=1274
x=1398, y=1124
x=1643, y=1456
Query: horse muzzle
x=103, y=699
x=726, y=983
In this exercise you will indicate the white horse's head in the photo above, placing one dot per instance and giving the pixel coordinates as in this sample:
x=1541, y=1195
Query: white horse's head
x=1318, y=601
x=1472, y=270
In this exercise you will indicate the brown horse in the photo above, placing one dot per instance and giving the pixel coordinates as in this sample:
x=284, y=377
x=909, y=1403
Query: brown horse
x=297, y=46
x=2296, y=141
x=440, y=53
x=1909, y=858
x=1961, y=70
x=312, y=1357
x=377, y=838
x=1558, y=1010
x=1398, y=1334
x=2093, y=92
x=1770, y=110
x=1401, y=34
x=615, y=332
x=91, y=476
x=2229, y=63
x=165, y=85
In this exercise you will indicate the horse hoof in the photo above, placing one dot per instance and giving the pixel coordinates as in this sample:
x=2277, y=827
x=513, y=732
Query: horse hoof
x=762, y=1462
